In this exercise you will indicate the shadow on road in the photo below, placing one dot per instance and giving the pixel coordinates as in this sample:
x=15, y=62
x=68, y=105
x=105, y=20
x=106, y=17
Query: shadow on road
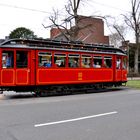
x=13, y=95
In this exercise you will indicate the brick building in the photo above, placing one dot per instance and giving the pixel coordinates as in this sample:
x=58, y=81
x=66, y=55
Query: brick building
x=92, y=31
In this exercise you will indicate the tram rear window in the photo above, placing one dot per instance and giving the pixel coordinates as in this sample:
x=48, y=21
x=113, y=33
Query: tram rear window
x=7, y=59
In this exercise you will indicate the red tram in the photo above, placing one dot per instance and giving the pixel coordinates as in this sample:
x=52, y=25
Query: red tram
x=42, y=65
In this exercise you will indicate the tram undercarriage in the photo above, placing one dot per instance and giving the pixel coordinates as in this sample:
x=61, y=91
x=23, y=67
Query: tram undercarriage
x=51, y=90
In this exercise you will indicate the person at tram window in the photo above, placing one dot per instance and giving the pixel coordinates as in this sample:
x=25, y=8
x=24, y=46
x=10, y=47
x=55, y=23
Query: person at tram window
x=118, y=64
x=8, y=61
x=62, y=64
x=75, y=63
x=94, y=65
x=98, y=65
x=83, y=64
x=47, y=63
x=105, y=64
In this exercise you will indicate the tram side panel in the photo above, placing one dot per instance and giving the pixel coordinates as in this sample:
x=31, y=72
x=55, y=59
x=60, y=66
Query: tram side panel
x=73, y=76
x=33, y=68
x=50, y=75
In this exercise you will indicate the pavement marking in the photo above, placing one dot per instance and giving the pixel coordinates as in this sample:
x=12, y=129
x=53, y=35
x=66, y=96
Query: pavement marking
x=76, y=119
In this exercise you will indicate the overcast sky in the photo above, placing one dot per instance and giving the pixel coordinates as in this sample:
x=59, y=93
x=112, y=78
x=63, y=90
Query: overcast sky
x=32, y=13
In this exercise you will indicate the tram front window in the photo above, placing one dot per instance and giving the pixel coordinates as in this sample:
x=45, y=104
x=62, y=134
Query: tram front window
x=7, y=59
x=118, y=63
x=124, y=66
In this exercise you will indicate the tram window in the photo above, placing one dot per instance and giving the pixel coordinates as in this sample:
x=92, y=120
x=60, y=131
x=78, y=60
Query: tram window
x=7, y=59
x=86, y=61
x=118, y=63
x=108, y=61
x=124, y=65
x=74, y=60
x=60, y=60
x=44, y=59
x=21, y=59
x=97, y=61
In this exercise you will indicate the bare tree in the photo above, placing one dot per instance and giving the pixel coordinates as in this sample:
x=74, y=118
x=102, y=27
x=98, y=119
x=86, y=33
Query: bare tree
x=69, y=27
x=118, y=36
x=133, y=21
x=115, y=39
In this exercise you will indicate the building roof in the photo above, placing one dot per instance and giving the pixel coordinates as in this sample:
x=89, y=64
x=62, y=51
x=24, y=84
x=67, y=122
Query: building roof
x=91, y=31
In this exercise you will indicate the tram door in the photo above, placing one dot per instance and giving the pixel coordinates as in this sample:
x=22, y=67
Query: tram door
x=22, y=71
x=118, y=75
x=15, y=68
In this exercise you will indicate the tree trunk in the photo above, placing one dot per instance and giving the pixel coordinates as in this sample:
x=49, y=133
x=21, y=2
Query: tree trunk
x=136, y=71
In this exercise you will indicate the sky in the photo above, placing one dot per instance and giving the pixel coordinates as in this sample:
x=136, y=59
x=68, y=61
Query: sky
x=32, y=14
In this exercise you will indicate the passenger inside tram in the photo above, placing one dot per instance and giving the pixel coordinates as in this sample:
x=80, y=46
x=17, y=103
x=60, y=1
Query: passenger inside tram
x=7, y=59
x=47, y=63
x=98, y=65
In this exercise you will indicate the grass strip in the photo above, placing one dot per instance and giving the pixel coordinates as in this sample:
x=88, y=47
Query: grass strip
x=133, y=83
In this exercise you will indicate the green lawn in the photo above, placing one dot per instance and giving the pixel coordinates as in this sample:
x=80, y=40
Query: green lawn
x=133, y=83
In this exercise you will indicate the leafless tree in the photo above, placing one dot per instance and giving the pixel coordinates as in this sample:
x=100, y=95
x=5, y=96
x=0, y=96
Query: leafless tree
x=118, y=36
x=133, y=21
x=115, y=39
x=69, y=27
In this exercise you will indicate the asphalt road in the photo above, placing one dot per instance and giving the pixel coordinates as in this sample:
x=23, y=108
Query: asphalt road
x=111, y=115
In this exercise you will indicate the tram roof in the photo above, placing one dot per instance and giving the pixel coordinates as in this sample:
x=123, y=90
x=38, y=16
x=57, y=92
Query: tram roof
x=60, y=45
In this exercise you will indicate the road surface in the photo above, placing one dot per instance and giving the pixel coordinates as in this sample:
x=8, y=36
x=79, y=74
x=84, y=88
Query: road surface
x=111, y=115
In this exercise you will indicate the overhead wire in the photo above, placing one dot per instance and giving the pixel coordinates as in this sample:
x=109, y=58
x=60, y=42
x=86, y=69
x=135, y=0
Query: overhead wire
x=42, y=11
x=108, y=6
x=50, y=13
x=23, y=8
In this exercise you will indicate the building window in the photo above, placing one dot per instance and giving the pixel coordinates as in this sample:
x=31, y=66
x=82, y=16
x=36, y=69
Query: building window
x=44, y=59
x=7, y=59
